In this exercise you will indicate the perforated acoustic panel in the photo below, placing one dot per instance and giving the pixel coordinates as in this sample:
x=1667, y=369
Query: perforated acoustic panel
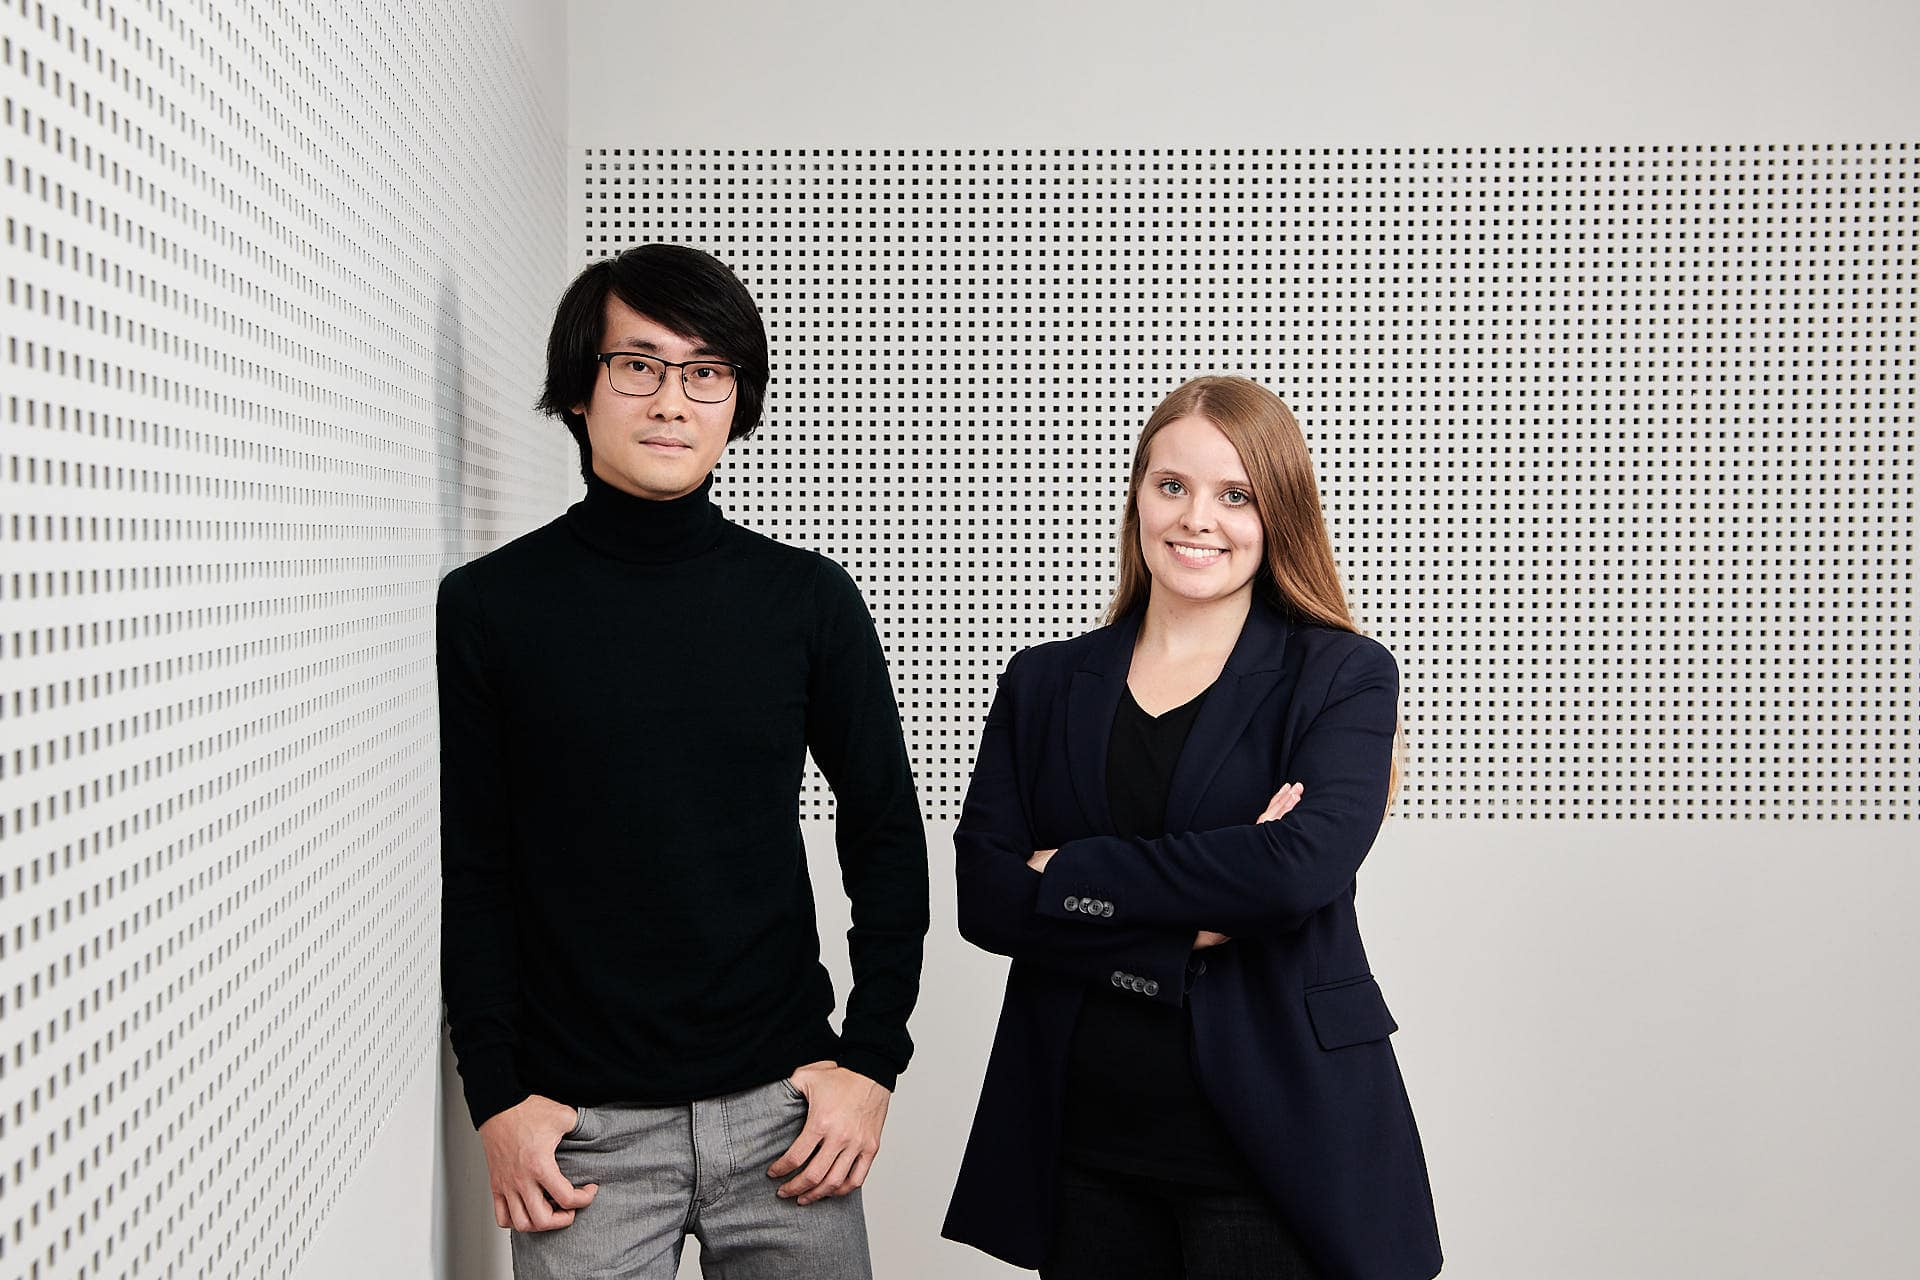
x=1616, y=443
x=277, y=280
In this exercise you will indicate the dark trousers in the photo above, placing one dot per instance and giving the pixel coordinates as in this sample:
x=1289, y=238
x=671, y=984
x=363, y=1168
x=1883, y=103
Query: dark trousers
x=1118, y=1226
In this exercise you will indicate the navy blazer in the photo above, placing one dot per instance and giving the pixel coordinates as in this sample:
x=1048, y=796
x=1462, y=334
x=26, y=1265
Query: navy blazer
x=1289, y=1027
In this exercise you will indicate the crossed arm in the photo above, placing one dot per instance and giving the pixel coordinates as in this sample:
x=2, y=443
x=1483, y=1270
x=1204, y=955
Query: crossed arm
x=1277, y=808
x=1260, y=877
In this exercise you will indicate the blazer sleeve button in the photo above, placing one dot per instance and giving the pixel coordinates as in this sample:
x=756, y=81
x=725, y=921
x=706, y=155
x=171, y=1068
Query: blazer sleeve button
x=1152, y=988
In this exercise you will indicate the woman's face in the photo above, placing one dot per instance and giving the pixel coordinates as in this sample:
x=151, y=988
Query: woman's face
x=1199, y=530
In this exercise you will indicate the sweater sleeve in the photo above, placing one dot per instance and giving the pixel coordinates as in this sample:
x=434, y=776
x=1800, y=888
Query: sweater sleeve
x=853, y=731
x=477, y=940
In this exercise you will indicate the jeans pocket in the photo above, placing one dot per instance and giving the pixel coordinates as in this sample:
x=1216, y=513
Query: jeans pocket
x=793, y=1094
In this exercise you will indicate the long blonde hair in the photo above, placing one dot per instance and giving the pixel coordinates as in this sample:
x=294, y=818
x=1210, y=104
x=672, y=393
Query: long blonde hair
x=1297, y=574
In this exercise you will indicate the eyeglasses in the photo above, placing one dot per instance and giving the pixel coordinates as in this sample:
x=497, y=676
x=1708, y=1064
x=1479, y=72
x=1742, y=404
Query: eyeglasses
x=706, y=381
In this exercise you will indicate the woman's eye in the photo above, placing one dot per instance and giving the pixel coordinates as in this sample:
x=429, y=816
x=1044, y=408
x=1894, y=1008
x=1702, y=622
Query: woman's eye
x=1171, y=488
x=1237, y=497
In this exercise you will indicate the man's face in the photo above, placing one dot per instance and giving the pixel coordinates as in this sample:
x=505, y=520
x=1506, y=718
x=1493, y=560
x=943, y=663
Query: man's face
x=659, y=446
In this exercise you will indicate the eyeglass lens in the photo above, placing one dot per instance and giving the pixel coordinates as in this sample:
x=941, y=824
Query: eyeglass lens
x=641, y=375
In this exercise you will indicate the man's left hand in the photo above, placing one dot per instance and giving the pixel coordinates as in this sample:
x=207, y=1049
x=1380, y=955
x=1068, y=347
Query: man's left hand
x=845, y=1112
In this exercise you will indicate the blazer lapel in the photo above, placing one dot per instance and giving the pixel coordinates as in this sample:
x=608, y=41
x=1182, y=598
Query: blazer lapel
x=1092, y=701
x=1249, y=676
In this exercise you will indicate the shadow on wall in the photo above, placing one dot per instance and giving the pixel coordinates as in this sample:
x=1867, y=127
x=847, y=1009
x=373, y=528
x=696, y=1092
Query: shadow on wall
x=450, y=487
x=466, y=1245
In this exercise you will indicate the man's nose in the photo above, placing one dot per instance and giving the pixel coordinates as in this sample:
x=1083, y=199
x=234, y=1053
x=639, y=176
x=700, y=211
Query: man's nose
x=670, y=402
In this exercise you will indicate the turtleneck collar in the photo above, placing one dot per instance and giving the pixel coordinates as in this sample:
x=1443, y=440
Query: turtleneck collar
x=627, y=527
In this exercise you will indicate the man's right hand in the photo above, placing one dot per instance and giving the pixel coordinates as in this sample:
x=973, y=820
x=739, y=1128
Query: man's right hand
x=529, y=1191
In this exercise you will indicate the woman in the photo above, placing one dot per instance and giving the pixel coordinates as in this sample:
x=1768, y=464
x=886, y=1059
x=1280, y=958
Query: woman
x=1191, y=1075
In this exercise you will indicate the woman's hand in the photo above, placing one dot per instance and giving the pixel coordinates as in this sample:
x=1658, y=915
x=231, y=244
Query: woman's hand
x=1283, y=800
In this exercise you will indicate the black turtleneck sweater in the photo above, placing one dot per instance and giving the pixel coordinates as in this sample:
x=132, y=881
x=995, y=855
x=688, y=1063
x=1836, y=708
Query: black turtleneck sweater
x=627, y=698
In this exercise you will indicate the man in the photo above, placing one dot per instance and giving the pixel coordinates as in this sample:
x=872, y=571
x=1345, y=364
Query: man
x=627, y=696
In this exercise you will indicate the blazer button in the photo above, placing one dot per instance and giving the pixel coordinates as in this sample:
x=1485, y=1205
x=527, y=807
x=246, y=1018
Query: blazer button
x=1119, y=979
x=1133, y=982
x=1152, y=988
x=1071, y=904
x=1106, y=908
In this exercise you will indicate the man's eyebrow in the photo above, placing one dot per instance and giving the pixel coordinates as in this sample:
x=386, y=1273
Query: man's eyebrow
x=702, y=352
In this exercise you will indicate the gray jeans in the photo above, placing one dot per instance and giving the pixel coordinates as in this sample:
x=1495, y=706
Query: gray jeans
x=699, y=1168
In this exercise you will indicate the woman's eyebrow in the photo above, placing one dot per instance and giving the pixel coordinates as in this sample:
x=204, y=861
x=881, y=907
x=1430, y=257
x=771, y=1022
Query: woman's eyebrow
x=1171, y=474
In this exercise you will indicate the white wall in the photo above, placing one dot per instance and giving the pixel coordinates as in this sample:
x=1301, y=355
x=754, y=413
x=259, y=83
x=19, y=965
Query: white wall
x=277, y=278
x=1231, y=73
x=1647, y=1031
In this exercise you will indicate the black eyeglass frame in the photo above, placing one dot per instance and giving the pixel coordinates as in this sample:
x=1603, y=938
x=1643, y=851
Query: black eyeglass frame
x=607, y=358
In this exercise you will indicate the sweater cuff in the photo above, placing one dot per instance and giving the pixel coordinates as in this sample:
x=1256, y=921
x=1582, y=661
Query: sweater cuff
x=869, y=1064
x=491, y=1086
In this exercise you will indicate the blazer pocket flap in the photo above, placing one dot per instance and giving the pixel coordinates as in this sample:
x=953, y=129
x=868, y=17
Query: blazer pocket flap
x=1350, y=1013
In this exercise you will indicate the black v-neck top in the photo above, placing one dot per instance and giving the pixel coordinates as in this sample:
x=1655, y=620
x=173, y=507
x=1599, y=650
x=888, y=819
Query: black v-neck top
x=1141, y=754
x=1132, y=1102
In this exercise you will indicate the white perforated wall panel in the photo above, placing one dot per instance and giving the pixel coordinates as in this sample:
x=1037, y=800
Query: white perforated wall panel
x=1616, y=443
x=277, y=281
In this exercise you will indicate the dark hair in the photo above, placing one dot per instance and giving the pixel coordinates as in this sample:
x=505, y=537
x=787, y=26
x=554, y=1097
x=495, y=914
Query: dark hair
x=690, y=292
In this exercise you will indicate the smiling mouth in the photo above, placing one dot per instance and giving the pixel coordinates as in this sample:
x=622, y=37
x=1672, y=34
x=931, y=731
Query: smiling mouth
x=1197, y=555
